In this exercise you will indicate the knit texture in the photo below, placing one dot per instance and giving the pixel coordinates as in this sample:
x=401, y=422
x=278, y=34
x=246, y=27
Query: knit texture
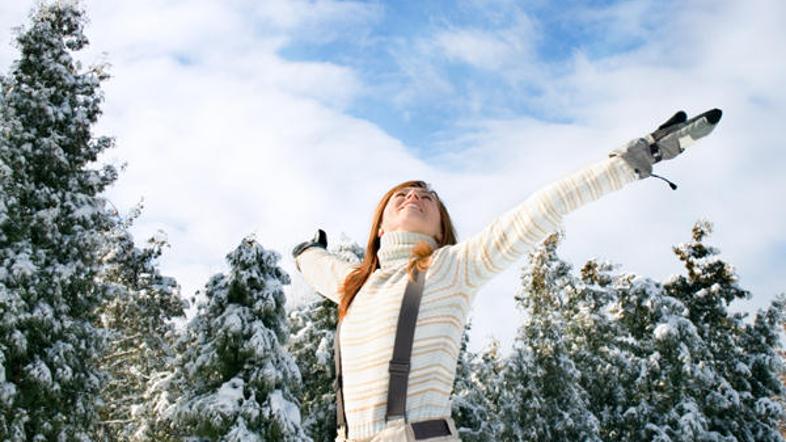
x=452, y=281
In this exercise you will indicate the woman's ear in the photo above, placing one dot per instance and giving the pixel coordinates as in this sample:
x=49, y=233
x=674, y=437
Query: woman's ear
x=379, y=233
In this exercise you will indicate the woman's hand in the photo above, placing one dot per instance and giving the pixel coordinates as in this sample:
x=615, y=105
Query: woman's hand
x=669, y=140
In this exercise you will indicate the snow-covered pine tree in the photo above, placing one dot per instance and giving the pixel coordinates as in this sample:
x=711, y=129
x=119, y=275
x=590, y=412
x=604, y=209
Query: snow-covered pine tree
x=764, y=361
x=139, y=317
x=53, y=225
x=542, y=398
x=738, y=406
x=665, y=372
x=313, y=326
x=782, y=377
x=235, y=379
x=657, y=356
x=465, y=409
x=311, y=345
x=476, y=391
x=603, y=353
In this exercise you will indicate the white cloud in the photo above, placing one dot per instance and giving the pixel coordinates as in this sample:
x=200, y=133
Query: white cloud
x=622, y=23
x=723, y=56
x=317, y=18
x=224, y=137
x=505, y=51
x=421, y=78
x=479, y=48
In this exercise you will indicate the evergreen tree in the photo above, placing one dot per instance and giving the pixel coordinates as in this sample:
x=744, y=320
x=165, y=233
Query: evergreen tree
x=764, y=362
x=633, y=348
x=235, y=380
x=603, y=353
x=734, y=404
x=312, y=344
x=467, y=413
x=668, y=376
x=542, y=398
x=139, y=315
x=490, y=365
x=782, y=377
x=680, y=363
x=476, y=392
x=53, y=225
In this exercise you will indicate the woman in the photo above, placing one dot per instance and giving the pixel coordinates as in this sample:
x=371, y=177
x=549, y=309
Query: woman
x=411, y=229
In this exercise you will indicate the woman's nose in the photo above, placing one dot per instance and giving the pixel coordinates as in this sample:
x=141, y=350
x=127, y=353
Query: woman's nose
x=410, y=193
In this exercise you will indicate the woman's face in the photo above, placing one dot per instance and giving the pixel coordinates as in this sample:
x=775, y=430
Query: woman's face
x=412, y=209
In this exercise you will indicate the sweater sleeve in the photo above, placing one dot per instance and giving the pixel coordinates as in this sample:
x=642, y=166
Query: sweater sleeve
x=323, y=271
x=515, y=232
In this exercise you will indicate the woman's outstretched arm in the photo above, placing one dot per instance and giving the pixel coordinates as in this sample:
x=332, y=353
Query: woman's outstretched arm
x=511, y=235
x=323, y=271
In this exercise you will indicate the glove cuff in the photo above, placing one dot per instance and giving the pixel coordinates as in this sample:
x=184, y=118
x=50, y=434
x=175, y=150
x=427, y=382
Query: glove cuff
x=640, y=155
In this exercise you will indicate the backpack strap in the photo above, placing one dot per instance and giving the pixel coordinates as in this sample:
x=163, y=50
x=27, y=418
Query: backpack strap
x=402, y=348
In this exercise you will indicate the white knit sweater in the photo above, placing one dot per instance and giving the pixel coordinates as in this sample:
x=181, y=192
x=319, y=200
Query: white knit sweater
x=456, y=274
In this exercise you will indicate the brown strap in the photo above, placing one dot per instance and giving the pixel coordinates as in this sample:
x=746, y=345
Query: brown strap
x=341, y=418
x=402, y=348
x=399, y=365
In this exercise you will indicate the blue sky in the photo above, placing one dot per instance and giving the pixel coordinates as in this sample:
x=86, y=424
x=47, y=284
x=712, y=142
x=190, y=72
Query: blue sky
x=281, y=117
x=551, y=34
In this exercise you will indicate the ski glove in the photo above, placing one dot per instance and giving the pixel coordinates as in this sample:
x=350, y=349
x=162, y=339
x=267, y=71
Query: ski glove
x=669, y=140
x=319, y=240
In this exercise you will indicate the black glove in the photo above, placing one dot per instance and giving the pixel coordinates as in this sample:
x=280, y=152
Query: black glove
x=319, y=240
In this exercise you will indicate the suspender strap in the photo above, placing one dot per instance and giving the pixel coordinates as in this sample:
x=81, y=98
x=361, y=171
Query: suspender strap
x=402, y=349
x=399, y=365
x=338, y=384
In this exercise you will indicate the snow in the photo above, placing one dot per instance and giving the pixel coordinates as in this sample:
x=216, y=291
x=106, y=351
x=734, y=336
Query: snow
x=43, y=311
x=19, y=341
x=692, y=422
x=85, y=212
x=263, y=341
x=767, y=407
x=282, y=407
x=38, y=371
x=742, y=369
x=324, y=351
x=231, y=320
x=6, y=296
x=229, y=396
x=23, y=266
x=241, y=433
x=7, y=392
x=664, y=330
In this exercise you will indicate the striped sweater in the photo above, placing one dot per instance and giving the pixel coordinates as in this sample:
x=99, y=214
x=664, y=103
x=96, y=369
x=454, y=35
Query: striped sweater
x=455, y=275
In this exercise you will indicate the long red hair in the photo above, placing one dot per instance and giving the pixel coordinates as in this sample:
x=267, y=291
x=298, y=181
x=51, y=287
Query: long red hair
x=421, y=253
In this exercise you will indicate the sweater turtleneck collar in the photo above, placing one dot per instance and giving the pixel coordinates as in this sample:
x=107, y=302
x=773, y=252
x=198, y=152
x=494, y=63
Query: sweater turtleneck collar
x=395, y=248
